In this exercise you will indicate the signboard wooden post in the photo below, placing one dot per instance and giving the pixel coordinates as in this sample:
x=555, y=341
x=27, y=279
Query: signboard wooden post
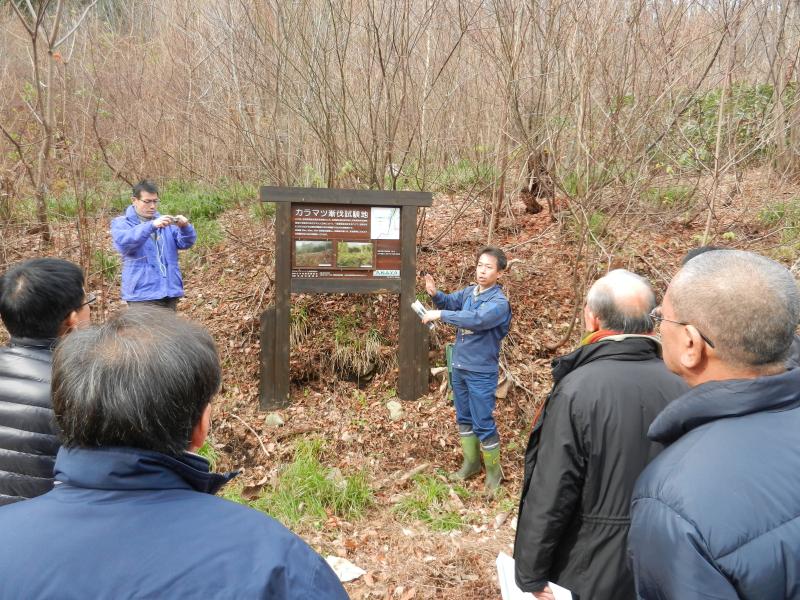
x=343, y=241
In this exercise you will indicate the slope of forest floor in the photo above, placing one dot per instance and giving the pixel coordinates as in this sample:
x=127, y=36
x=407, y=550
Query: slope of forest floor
x=230, y=284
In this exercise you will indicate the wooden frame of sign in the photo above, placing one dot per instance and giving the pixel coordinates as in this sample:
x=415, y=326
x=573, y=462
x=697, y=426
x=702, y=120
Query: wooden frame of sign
x=343, y=241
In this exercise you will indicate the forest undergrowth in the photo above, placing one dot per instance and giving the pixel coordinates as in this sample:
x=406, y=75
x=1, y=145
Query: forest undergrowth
x=334, y=466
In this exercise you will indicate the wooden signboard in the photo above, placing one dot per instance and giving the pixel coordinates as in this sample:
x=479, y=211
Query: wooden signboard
x=343, y=241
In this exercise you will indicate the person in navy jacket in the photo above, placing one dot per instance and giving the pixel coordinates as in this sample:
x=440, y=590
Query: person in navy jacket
x=149, y=242
x=133, y=512
x=482, y=315
x=717, y=513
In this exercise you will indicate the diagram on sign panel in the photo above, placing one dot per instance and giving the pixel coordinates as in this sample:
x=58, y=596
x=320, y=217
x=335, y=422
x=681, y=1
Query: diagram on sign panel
x=385, y=223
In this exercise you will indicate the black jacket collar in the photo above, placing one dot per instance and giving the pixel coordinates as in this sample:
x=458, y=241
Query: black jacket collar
x=618, y=347
x=25, y=342
x=724, y=399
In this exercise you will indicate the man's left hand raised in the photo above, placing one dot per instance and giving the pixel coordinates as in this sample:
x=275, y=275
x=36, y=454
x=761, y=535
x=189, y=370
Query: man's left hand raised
x=181, y=221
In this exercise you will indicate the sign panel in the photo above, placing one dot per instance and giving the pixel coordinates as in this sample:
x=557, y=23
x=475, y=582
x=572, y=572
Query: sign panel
x=343, y=241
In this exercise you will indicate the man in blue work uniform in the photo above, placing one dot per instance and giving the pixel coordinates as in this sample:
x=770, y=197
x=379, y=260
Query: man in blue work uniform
x=483, y=316
x=149, y=244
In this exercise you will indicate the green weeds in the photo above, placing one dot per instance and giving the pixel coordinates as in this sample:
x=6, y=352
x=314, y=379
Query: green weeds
x=785, y=214
x=209, y=233
x=355, y=353
x=299, y=326
x=675, y=196
x=208, y=452
x=263, y=212
x=465, y=175
x=430, y=502
x=106, y=264
x=596, y=223
x=745, y=123
x=307, y=491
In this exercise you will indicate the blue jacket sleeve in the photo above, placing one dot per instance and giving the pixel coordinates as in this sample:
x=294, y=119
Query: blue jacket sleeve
x=553, y=495
x=486, y=316
x=127, y=238
x=185, y=237
x=308, y=575
x=668, y=557
x=452, y=301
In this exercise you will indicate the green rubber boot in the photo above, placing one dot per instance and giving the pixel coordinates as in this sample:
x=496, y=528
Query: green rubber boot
x=472, y=459
x=494, y=474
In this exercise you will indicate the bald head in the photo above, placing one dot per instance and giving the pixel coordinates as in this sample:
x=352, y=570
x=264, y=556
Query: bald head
x=747, y=304
x=622, y=301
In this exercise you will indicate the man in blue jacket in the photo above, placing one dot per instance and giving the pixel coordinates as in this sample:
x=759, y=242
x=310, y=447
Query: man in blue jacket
x=133, y=512
x=717, y=513
x=482, y=315
x=149, y=244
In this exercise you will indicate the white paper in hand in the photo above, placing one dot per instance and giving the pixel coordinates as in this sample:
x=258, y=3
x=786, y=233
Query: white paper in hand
x=420, y=309
x=509, y=589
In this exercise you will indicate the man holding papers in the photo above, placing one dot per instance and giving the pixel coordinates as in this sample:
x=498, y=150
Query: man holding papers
x=589, y=445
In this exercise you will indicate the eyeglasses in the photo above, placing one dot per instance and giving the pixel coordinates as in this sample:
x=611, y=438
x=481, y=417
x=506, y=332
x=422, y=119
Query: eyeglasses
x=655, y=314
x=148, y=202
x=90, y=298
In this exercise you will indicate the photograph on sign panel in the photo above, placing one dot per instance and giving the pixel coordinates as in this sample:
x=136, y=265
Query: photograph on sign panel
x=313, y=253
x=354, y=255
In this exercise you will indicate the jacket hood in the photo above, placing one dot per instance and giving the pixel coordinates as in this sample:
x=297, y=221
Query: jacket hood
x=120, y=468
x=723, y=399
x=632, y=347
x=132, y=216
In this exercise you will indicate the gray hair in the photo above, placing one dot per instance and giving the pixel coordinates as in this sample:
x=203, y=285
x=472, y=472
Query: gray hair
x=623, y=301
x=747, y=304
x=142, y=380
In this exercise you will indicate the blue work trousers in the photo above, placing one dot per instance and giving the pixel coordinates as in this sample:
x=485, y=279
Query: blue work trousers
x=474, y=399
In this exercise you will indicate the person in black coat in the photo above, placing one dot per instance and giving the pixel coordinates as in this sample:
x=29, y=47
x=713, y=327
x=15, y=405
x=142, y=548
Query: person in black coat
x=40, y=300
x=717, y=513
x=589, y=446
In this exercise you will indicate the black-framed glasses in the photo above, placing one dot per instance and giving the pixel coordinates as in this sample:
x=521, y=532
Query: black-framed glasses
x=656, y=315
x=90, y=298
